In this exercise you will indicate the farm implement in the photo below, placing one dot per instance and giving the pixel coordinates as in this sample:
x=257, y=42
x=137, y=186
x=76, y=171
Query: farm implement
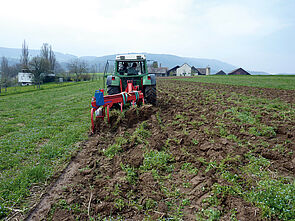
x=130, y=84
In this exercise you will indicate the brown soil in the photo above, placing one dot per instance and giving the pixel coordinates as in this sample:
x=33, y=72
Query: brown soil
x=95, y=182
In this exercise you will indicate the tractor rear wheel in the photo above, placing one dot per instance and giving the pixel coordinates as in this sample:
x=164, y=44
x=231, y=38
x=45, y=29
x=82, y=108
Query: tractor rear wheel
x=113, y=90
x=150, y=94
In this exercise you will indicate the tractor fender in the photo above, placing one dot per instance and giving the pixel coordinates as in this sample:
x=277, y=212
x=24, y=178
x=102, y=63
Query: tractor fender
x=113, y=80
x=149, y=79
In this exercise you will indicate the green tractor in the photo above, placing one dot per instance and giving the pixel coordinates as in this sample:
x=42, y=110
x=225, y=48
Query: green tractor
x=132, y=68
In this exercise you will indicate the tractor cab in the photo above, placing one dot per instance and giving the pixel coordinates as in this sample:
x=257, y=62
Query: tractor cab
x=130, y=65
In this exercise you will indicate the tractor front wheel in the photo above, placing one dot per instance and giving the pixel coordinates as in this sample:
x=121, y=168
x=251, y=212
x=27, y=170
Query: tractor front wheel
x=150, y=94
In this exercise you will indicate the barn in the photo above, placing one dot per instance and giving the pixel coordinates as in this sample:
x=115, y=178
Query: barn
x=221, y=72
x=201, y=71
x=159, y=72
x=239, y=71
x=172, y=71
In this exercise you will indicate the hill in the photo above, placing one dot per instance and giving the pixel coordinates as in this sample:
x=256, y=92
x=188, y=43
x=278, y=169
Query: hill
x=170, y=61
x=13, y=54
x=285, y=74
x=166, y=60
x=258, y=73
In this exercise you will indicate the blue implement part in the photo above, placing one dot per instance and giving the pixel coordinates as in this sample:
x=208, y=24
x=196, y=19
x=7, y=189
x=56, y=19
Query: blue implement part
x=99, y=98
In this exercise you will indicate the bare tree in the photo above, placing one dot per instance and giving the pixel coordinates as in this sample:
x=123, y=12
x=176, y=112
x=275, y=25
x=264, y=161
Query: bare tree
x=4, y=73
x=43, y=64
x=45, y=56
x=45, y=51
x=52, y=59
x=38, y=66
x=48, y=54
x=25, y=56
x=77, y=67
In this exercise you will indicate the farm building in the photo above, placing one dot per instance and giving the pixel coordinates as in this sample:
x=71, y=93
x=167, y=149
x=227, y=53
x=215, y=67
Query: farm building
x=172, y=71
x=49, y=78
x=221, y=72
x=201, y=71
x=25, y=78
x=239, y=71
x=159, y=72
x=184, y=70
x=187, y=70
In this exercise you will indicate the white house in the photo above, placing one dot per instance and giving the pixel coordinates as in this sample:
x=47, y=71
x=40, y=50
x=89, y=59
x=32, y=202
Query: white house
x=184, y=70
x=25, y=78
x=187, y=70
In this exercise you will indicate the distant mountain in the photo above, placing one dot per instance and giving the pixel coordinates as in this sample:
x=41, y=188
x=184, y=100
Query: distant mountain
x=170, y=61
x=15, y=53
x=285, y=74
x=258, y=73
x=165, y=60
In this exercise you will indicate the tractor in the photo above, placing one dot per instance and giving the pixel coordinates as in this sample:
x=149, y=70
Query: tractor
x=132, y=67
x=130, y=83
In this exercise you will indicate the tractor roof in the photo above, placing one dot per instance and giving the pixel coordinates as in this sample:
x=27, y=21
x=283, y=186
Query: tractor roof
x=130, y=57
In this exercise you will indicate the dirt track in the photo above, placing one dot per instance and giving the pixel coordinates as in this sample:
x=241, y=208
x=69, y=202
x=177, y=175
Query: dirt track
x=185, y=125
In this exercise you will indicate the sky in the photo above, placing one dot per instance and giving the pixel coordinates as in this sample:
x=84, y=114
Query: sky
x=258, y=35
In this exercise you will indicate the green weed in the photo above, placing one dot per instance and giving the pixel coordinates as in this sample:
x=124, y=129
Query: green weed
x=188, y=167
x=150, y=204
x=141, y=133
x=115, y=148
x=157, y=160
x=119, y=203
x=131, y=174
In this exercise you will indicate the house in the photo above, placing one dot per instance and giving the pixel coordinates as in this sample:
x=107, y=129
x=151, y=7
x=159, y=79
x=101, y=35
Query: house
x=239, y=71
x=159, y=72
x=25, y=78
x=172, y=71
x=187, y=70
x=221, y=72
x=201, y=71
x=184, y=70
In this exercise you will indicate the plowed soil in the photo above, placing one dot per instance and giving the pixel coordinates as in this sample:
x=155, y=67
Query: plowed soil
x=196, y=126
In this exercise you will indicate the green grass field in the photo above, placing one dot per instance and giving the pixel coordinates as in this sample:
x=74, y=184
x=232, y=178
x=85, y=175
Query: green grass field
x=279, y=82
x=38, y=133
x=30, y=88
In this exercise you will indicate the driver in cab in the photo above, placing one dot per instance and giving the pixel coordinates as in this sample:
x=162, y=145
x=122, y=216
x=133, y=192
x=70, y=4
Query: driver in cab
x=132, y=70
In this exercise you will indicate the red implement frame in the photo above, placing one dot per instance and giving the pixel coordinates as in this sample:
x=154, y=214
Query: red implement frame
x=130, y=95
